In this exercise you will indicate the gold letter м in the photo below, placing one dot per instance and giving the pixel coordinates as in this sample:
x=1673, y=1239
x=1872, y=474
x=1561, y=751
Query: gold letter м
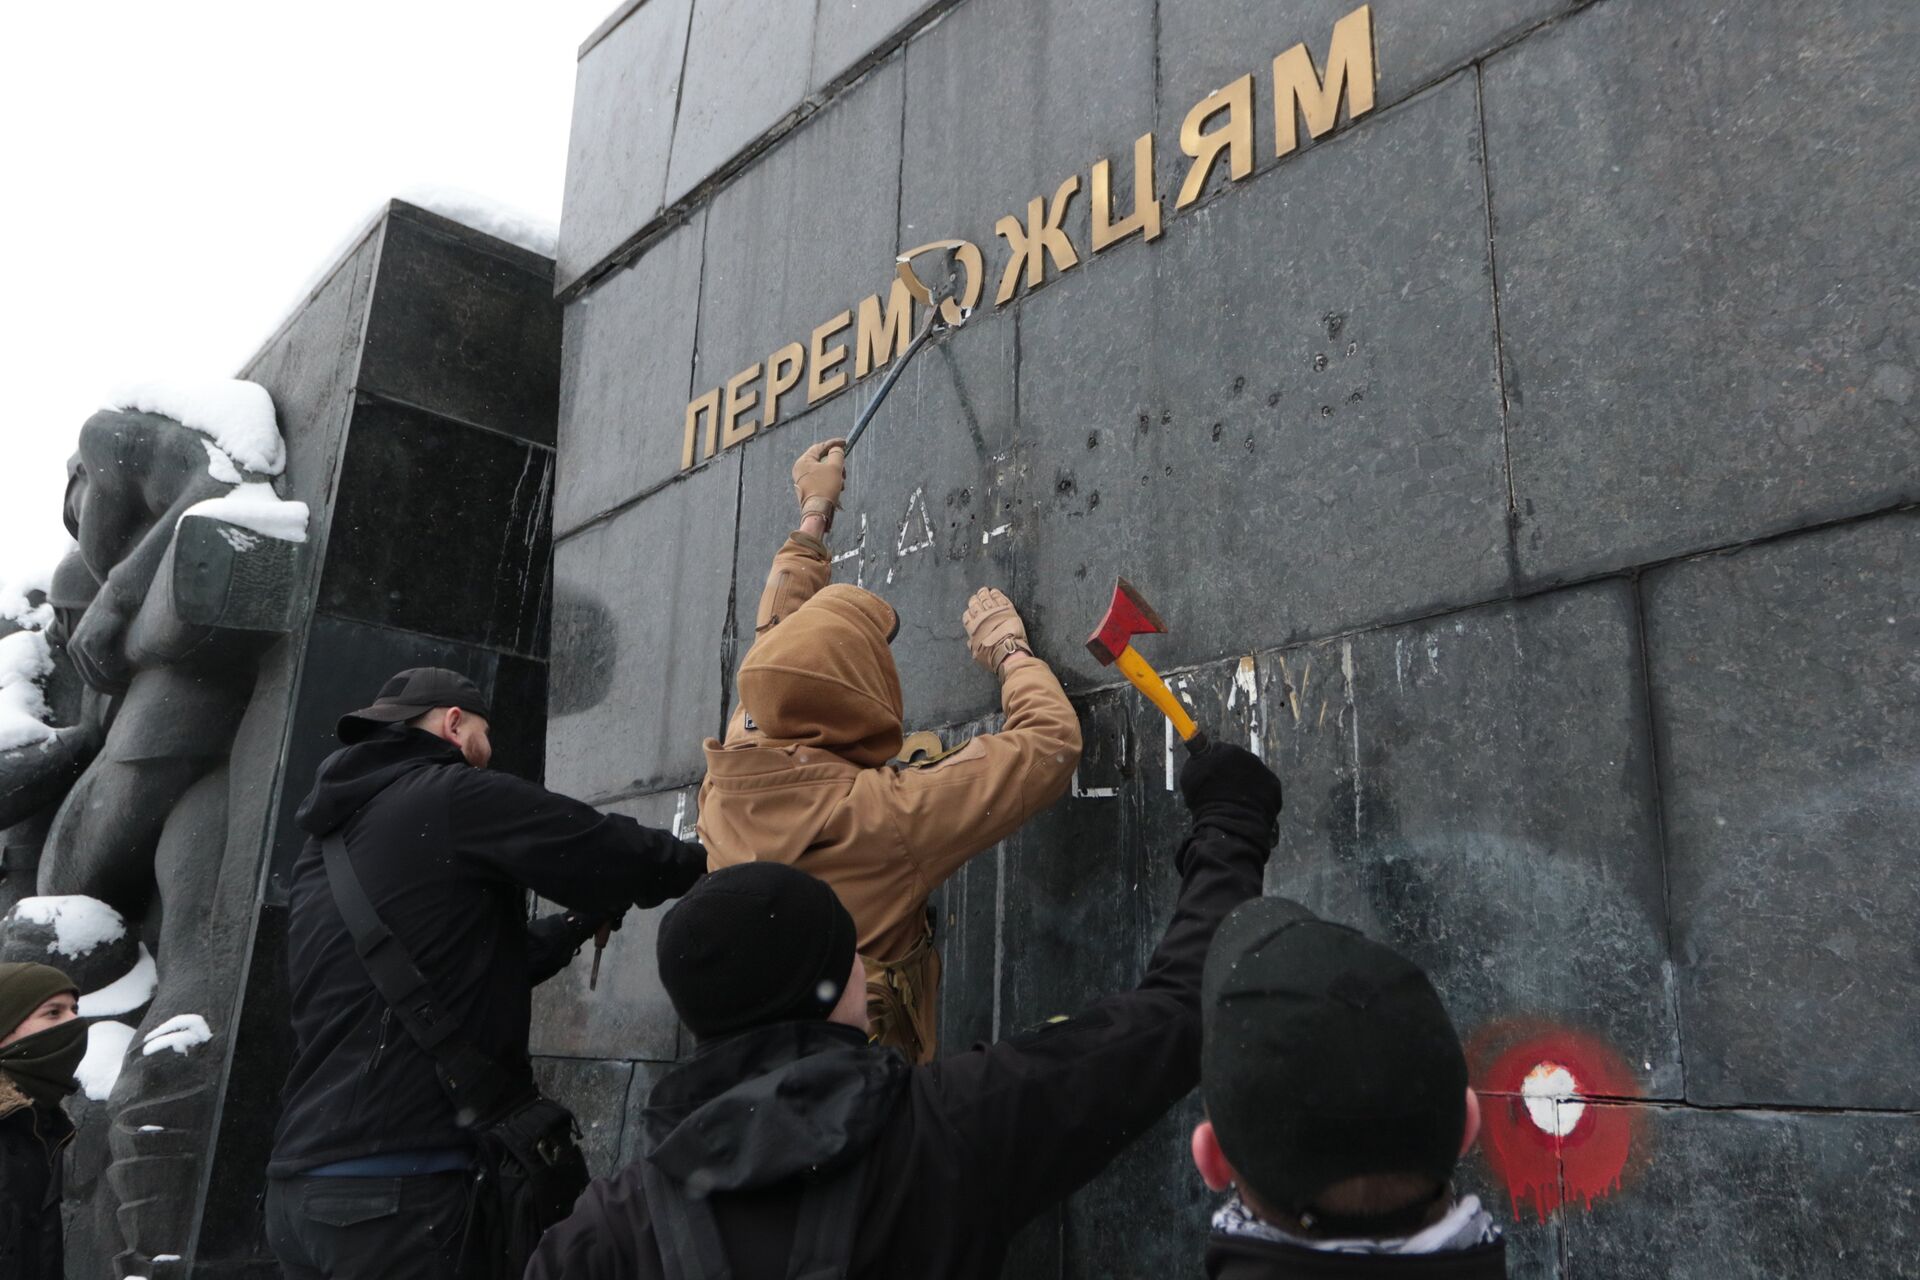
x=1297, y=85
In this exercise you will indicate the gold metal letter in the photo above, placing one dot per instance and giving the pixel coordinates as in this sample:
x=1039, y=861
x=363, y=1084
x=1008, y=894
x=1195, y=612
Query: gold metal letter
x=732, y=430
x=783, y=372
x=1145, y=217
x=819, y=384
x=881, y=340
x=1234, y=137
x=1296, y=83
x=708, y=404
x=967, y=254
x=1041, y=236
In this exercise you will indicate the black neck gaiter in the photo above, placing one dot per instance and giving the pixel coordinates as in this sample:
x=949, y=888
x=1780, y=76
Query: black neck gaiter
x=43, y=1064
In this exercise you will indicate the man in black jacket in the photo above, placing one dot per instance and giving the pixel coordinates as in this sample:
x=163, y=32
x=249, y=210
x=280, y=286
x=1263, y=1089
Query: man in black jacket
x=787, y=1145
x=370, y=1164
x=1337, y=1107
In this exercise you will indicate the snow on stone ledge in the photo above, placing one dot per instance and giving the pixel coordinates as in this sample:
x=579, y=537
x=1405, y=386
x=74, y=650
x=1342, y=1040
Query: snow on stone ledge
x=256, y=506
x=237, y=414
x=124, y=994
x=79, y=923
x=489, y=217
x=179, y=1034
x=106, y=1049
x=25, y=660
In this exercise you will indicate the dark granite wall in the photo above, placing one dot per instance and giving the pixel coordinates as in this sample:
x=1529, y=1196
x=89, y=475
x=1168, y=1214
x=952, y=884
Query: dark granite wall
x=417, y=389
x=1528, y=468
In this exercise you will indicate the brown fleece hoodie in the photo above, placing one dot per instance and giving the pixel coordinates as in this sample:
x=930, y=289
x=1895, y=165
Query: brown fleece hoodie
x=802, y=777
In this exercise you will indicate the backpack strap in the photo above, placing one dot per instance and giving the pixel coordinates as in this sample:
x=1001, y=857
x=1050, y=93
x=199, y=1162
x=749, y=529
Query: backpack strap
x=689, y=1236
x=472, y=1080
x=684, y=1226
x=829, y=1224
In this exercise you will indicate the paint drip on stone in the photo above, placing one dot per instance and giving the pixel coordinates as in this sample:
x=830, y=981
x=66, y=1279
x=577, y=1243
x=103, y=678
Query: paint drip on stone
x=1548, y=1139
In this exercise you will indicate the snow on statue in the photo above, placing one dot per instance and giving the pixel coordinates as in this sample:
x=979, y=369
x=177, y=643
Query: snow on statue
x=119, y=704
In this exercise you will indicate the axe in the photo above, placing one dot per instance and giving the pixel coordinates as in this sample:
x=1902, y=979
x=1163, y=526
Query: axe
x=1129, y=615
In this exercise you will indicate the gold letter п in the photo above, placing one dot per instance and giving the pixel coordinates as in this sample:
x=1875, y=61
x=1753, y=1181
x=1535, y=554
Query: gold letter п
x=1042, y=234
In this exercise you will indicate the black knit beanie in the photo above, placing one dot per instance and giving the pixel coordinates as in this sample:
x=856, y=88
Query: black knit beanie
x=752, y=944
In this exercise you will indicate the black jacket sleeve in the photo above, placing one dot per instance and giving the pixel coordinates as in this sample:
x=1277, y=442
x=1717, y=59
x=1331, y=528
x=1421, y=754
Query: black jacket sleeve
x=566, y=851
x=1039, y=1114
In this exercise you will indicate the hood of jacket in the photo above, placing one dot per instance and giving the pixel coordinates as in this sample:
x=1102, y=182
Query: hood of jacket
x=354, y=775
x=825, y=678
x=757, y=1108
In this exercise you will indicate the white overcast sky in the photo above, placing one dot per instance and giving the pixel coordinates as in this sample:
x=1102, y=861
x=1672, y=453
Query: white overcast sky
x=171, y=174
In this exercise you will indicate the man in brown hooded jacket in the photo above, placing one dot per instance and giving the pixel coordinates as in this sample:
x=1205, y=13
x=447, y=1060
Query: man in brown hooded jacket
x=803, y=776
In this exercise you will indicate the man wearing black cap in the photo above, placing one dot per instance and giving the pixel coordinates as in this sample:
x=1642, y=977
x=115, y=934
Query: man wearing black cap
x=1337, y=1106
x=787, y=1145
x=371, y=1160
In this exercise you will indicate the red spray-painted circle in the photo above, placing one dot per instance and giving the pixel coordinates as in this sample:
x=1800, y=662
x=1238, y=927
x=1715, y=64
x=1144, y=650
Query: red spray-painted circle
x=1547, y=1143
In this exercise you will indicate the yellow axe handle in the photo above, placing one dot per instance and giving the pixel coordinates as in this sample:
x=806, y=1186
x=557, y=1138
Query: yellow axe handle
x=1144, y=678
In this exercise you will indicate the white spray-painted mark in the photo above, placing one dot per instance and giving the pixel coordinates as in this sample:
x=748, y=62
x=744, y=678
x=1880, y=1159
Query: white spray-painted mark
x=1091, y=793
x=915, y=502
x=1400, y=662
x=995, y=532
x=1433, y=654
x=1169, y=755
x=857, y=554
x=1353, y=719
x=1548, y=1090
x=1246, y=681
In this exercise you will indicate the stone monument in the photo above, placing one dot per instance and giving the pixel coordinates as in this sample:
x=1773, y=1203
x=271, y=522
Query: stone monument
x=1510, y=406
x=252, y=557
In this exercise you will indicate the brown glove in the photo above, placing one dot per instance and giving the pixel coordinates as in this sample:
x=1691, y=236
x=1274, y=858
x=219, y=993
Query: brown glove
x=994, y=629
x=819, y=474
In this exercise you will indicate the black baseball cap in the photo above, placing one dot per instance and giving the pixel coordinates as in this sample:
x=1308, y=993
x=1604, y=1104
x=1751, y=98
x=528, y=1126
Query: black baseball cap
x=413, y=692
x=1324, y=1056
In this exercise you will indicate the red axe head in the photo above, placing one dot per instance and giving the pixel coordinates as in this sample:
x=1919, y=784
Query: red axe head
x=1128, y=616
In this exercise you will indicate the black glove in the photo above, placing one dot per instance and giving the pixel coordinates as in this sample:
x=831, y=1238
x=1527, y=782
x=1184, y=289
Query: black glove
x=1224, y=780
x=570, y=930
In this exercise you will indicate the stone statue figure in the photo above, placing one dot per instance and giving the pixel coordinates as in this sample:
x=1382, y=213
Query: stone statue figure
x=176, y=587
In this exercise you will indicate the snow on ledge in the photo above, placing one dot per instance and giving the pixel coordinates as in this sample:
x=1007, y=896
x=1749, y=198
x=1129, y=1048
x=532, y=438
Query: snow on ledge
x=25, y=660
x=79, y=923
x=179, y=1034
x=256, y=506
x=238, y=415
x=489, y=217
x=106, y=1049
x=125, y=993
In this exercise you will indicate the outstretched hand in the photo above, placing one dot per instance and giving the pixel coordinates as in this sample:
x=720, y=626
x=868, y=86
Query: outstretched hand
x=819, y=476
x=995, y=632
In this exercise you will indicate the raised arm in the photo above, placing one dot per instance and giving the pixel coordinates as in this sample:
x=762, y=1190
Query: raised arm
x=985, y=791
x=1042, y=1113
x=566, y=851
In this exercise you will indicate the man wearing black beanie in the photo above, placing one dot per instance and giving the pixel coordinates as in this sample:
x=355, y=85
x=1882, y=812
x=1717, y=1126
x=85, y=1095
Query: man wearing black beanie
x=787, y=1145
x=1337, y=1107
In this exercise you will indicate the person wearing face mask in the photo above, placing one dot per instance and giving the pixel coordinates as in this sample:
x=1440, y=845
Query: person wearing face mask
x=39, y=1052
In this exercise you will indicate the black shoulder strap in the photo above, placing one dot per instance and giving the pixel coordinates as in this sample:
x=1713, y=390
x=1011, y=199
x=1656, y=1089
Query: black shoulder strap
x=823, y=1237
x=472, y=1079
x=829, y=1224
